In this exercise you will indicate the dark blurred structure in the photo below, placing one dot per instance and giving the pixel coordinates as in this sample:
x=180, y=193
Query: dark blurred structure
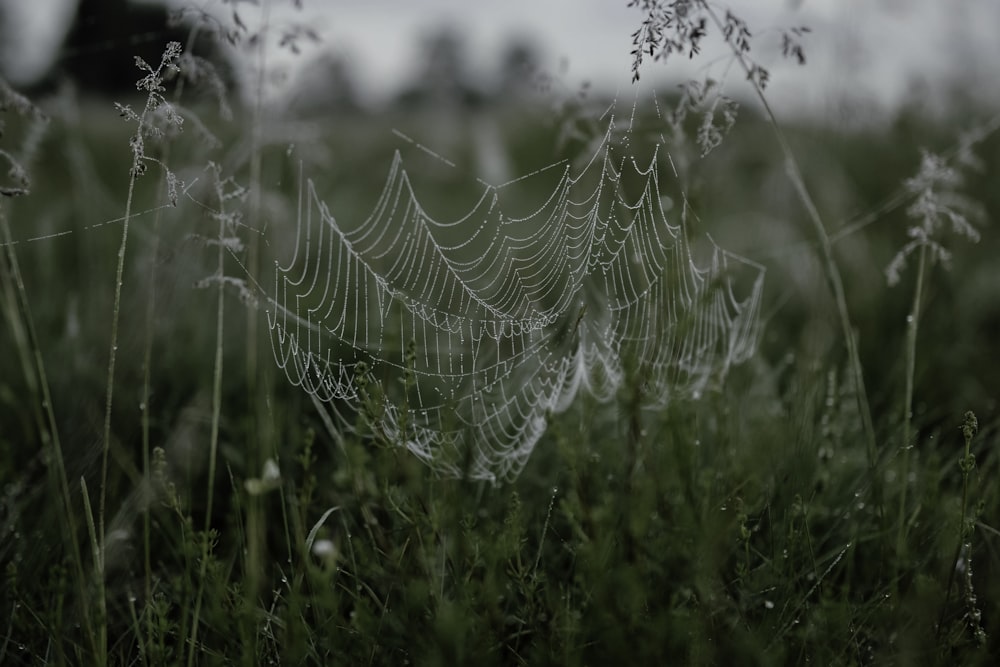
x=98, y=52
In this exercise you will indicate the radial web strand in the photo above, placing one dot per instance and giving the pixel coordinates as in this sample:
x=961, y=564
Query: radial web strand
x=462, y=336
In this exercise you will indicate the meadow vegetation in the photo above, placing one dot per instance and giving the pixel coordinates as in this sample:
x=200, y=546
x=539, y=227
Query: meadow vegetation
x=169, y=498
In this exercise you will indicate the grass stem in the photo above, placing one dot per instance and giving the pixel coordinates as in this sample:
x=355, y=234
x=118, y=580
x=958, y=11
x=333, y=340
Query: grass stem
x=912, y=324
x=216, y=417
x=968, y=461
x=30, y=353
x=829, y=263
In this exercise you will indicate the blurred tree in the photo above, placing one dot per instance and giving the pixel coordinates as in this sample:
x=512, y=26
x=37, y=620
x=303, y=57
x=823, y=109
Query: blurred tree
x=325, y=86
x=442, y=80
x=520, y=71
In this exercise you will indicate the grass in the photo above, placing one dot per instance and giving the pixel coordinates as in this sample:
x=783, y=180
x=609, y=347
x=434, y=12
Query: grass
x=766, y=523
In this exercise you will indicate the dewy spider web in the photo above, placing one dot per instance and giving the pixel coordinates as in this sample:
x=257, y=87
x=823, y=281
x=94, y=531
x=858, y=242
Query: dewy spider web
x=461, y=337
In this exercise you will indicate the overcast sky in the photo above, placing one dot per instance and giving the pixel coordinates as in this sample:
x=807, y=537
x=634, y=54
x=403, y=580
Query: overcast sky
x=870, y=51
x=873, y=52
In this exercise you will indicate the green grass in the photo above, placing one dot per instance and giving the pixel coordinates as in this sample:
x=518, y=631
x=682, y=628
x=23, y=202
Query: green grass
x=749, y=527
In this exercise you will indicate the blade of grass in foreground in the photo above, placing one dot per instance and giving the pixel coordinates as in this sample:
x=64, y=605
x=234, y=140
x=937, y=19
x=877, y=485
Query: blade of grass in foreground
x=18, y=315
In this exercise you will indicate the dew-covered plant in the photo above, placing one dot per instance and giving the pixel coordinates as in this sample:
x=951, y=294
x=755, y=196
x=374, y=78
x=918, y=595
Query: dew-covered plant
x=679, y=27
x=156, y=121
x=938, y=211
x=968, y=625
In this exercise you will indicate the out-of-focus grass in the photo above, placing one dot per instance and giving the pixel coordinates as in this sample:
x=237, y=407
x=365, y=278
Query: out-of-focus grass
x=738, y=529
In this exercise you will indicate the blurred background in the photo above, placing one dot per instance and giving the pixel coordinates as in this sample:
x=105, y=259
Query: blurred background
x=865, y=57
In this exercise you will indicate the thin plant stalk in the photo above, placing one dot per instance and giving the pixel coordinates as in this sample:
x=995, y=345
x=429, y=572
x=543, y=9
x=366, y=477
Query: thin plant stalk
x=913, y=322
x=112, y=357
x=254, y=216
x=147, y=360
x=23, y=328
x=152, y=84
x=829, y=263
x=97, y=549
x=147, y=382
x=144, y=407
x=258, y=406
x=968, y=461
x=214, y=438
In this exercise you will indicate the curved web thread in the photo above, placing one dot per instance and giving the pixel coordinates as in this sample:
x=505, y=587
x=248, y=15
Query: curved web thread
x=462, y=336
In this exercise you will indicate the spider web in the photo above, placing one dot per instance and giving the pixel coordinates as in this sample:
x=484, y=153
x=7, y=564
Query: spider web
x=461, y=336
